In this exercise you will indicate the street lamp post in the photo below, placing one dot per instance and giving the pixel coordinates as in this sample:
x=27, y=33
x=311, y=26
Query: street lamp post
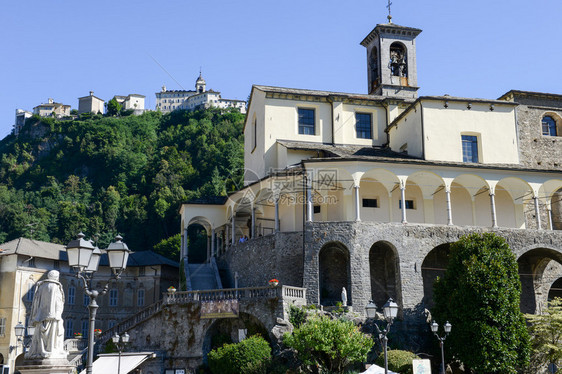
x=85, y=258
x=120, y=342
x=20, y=331
x=447, y=328
x=390, y=311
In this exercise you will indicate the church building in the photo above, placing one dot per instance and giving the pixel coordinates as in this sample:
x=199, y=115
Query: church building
x=367, y=191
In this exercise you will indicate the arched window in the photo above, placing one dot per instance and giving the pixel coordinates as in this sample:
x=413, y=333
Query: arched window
x=398, y=60
x=549, y=126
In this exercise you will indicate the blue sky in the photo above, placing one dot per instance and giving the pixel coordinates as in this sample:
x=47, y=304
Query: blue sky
x=63, y=49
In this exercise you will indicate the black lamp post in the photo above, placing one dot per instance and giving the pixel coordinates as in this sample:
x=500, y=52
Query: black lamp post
x=85, y=258
x=447, y=328
x=390, y=311
x=120, y=342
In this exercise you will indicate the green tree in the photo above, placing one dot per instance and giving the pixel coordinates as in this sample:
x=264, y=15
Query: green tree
x=169, y=247
x=329, y=344
x=546, y=336
x=251, y=355
x=480, y=294
x=113, y=107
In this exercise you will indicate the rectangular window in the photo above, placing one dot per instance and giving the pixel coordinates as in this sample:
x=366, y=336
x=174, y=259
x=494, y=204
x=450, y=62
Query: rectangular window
x=363, y=126
x=84, y=328
x=2, y=326
x=113, y=293
x=86, y=300
x=140, y=297
x=469, y=148
x=316, y=209
x=56, y=264
x=71, y=295
x=409, y=204
x=306, y=122
x=68, y=328
x=370, y=203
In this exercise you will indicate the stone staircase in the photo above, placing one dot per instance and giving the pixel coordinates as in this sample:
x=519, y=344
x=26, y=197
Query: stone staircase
x=204, y=277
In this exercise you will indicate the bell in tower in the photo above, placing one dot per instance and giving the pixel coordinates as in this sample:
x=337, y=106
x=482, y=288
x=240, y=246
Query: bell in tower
x=391, y=60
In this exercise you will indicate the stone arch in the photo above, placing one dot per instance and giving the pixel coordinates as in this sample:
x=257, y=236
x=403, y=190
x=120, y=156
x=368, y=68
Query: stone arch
x=512, y=196
x=428, y=206
x=377, y=184
x=385, y=273
x=551, y=192
x=555, y=289
x=477, y=190
x=334, y=273
x=198, y=232
x=225, y=330
x=434, y=265
x=533, y=264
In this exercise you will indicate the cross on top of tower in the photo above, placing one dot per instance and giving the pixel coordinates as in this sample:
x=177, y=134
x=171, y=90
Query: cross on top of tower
x=389, y=15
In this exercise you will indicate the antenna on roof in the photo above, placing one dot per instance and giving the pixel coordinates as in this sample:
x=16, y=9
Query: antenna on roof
x=389, y=15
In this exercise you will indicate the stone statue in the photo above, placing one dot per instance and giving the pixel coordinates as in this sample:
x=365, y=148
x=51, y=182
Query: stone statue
x=343, y=297
x=46, y=316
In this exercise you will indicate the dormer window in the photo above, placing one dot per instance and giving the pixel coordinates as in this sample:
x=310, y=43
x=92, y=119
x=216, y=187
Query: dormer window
x=363, y=125
x=549, y=126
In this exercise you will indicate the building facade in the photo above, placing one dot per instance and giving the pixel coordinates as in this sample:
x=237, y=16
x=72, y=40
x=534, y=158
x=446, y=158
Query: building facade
x=368, y=191
x=21, y=116
x=133, y=102
x=24, y=262
x=170, y=100
x=52, y=109
x=91, y=104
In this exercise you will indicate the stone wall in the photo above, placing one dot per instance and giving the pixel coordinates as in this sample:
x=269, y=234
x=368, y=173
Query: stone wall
x=536, y=150
x=181, y=339
x=260, y=259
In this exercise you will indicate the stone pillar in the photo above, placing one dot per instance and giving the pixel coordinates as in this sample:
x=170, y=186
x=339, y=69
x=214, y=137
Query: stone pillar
x=357, y=205
x=493, y=209
x=309, y=207
x=449, y=210
x=253, y=233
x=550, y=218
x=226, y=236
x=390, y=215
x=277, y=214
x=233, y=229
x=186, y=245
x=213, y=245
x=537, y=212
x=209, y=248
x=403, y=199
x=473, y=204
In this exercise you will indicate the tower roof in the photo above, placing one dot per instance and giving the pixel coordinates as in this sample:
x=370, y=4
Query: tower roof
x=390, y=28
x=200, y=80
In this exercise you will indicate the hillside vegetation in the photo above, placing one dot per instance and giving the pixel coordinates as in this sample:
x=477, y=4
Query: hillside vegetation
x=108, y=175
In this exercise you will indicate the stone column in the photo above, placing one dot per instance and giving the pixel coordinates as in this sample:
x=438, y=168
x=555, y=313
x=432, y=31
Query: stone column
x=403, y=199
x=309, y=207
x=253, y=233
x=213, y=239
x=537, y=212
x=357, y=205
x=550, y=218
x=473, y=205
x=449, y=210
x=233, y=229
x=493, y=209
x=227, y=236
x=277, y=214
x=209, y=248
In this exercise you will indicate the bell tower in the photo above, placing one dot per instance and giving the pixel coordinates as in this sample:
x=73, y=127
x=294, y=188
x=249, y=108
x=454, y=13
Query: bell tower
x=391, y=60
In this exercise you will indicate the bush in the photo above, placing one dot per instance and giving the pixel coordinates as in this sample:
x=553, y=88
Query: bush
x=329, y=344
x=297, y=316
x=398, y=361
x=250, y=356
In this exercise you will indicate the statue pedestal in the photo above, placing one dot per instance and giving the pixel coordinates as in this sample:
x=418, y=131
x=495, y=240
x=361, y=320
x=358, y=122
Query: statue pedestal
x=46, y=366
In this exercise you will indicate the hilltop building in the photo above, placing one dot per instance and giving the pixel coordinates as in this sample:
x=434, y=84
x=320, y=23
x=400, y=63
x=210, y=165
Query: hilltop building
x=368, y=191
x=21, y=116
x=170, y=100
x=52, y=109
x=23, y=262
x=91, y=104
x=132, y=101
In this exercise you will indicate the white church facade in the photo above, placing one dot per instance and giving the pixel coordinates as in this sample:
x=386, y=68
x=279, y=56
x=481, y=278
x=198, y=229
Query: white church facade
x=367, y=191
